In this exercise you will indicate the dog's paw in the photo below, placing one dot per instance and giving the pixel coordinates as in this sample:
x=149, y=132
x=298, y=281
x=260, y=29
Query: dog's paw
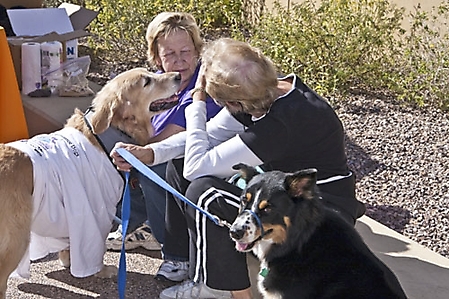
x=107, y=272
x=64, y=258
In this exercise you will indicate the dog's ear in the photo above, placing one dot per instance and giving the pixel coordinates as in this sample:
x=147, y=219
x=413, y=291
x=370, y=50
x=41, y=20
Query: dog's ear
x=302, y=183
x=105, y=104
x=247, y=172
x=101, y=120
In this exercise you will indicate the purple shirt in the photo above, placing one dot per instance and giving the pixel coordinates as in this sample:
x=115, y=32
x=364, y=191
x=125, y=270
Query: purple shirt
x=176, y=114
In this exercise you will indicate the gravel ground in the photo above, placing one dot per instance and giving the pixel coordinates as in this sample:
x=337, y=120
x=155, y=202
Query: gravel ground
x=50, y=280
x=400, y=156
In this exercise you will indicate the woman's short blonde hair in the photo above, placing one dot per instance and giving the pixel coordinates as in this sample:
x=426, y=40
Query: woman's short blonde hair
x=165, y=23
x=238, y=72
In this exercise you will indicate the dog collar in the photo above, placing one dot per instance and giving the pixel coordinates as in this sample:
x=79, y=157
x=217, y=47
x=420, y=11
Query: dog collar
x=110, y=137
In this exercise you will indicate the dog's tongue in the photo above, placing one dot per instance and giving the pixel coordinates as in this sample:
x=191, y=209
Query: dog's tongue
x=241, y=246
x=164, y=104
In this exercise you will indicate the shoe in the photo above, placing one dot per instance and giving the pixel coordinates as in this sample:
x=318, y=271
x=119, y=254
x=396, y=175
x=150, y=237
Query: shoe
x=141, y=237
x=173, y=270
x=192, y=290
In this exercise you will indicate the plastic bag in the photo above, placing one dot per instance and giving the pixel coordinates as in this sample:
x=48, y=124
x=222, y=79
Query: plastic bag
x=70, y=79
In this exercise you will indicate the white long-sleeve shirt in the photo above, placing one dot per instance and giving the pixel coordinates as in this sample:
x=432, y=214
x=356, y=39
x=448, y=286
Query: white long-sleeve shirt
x=210, y=148
x=76, y=190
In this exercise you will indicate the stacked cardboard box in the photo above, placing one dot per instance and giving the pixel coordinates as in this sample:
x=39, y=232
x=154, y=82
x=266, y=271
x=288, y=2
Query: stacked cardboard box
x=66, y=24
x=21, y=3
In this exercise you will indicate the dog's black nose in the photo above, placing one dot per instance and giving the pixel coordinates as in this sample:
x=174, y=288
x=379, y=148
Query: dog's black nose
x=236, y=234
x=178, y=77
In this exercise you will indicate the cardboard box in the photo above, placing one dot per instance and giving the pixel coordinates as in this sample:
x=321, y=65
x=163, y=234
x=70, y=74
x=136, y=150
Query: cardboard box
x=21, y=3
x=65, y=24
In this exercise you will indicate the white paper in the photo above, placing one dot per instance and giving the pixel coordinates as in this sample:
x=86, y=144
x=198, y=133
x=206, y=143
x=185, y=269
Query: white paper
x=39, y=21
x=51, y=53
x=51, y=59
x=31, y=67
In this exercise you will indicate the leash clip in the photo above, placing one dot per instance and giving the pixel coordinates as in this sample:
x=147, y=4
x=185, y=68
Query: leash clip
x=221, y=222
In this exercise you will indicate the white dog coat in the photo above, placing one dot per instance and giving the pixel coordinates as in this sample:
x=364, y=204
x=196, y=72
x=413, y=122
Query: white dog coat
x=76, y=190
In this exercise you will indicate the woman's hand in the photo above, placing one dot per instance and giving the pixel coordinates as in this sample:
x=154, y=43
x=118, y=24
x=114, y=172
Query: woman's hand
x=201, y=79
x=143, y=153
x=199, y=92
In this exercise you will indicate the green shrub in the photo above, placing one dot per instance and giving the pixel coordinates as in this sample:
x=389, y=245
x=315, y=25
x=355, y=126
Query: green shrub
x=423, y=71
x=336, y=46
x=120, y=26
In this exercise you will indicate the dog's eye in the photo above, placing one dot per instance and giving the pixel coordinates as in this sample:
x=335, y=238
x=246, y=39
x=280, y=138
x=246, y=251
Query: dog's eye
x=147, y=81
x=266, y=210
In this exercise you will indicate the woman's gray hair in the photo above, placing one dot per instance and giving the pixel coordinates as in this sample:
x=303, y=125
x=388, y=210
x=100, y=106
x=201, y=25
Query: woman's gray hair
x=165, y=23
x=238, y=72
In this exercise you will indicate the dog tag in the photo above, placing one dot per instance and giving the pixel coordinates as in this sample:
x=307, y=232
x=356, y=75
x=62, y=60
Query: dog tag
x=264, y=272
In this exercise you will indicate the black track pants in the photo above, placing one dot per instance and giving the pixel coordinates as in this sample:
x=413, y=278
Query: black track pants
x=212, y=254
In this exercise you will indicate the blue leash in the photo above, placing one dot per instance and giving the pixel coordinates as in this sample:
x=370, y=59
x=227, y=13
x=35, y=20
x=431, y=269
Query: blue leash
x=146, y=171
x=126, y=207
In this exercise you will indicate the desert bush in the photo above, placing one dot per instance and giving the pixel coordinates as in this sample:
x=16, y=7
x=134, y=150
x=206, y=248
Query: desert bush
x=120, y=26
x=423, y=71
x=336, y=46
x=341, y=45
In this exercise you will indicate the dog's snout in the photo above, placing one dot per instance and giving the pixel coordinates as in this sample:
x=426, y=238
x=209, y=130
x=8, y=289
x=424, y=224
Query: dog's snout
x=178, y=77
x=237, y=234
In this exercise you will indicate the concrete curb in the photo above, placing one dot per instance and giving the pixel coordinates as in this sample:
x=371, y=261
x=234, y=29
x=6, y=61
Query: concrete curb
x=422, y=272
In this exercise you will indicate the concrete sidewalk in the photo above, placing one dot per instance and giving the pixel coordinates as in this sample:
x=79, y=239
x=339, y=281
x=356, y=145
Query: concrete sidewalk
x=422, y=272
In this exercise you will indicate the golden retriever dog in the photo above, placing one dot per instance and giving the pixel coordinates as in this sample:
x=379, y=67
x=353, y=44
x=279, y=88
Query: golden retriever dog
x=59, y=191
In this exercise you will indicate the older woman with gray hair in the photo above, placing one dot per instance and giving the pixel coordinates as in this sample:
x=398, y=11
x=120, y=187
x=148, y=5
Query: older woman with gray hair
x=174, y=45
x=270, y=122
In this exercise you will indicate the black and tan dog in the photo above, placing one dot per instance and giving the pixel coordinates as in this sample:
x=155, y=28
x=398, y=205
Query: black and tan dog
x=63, y=188
x=306, y=249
